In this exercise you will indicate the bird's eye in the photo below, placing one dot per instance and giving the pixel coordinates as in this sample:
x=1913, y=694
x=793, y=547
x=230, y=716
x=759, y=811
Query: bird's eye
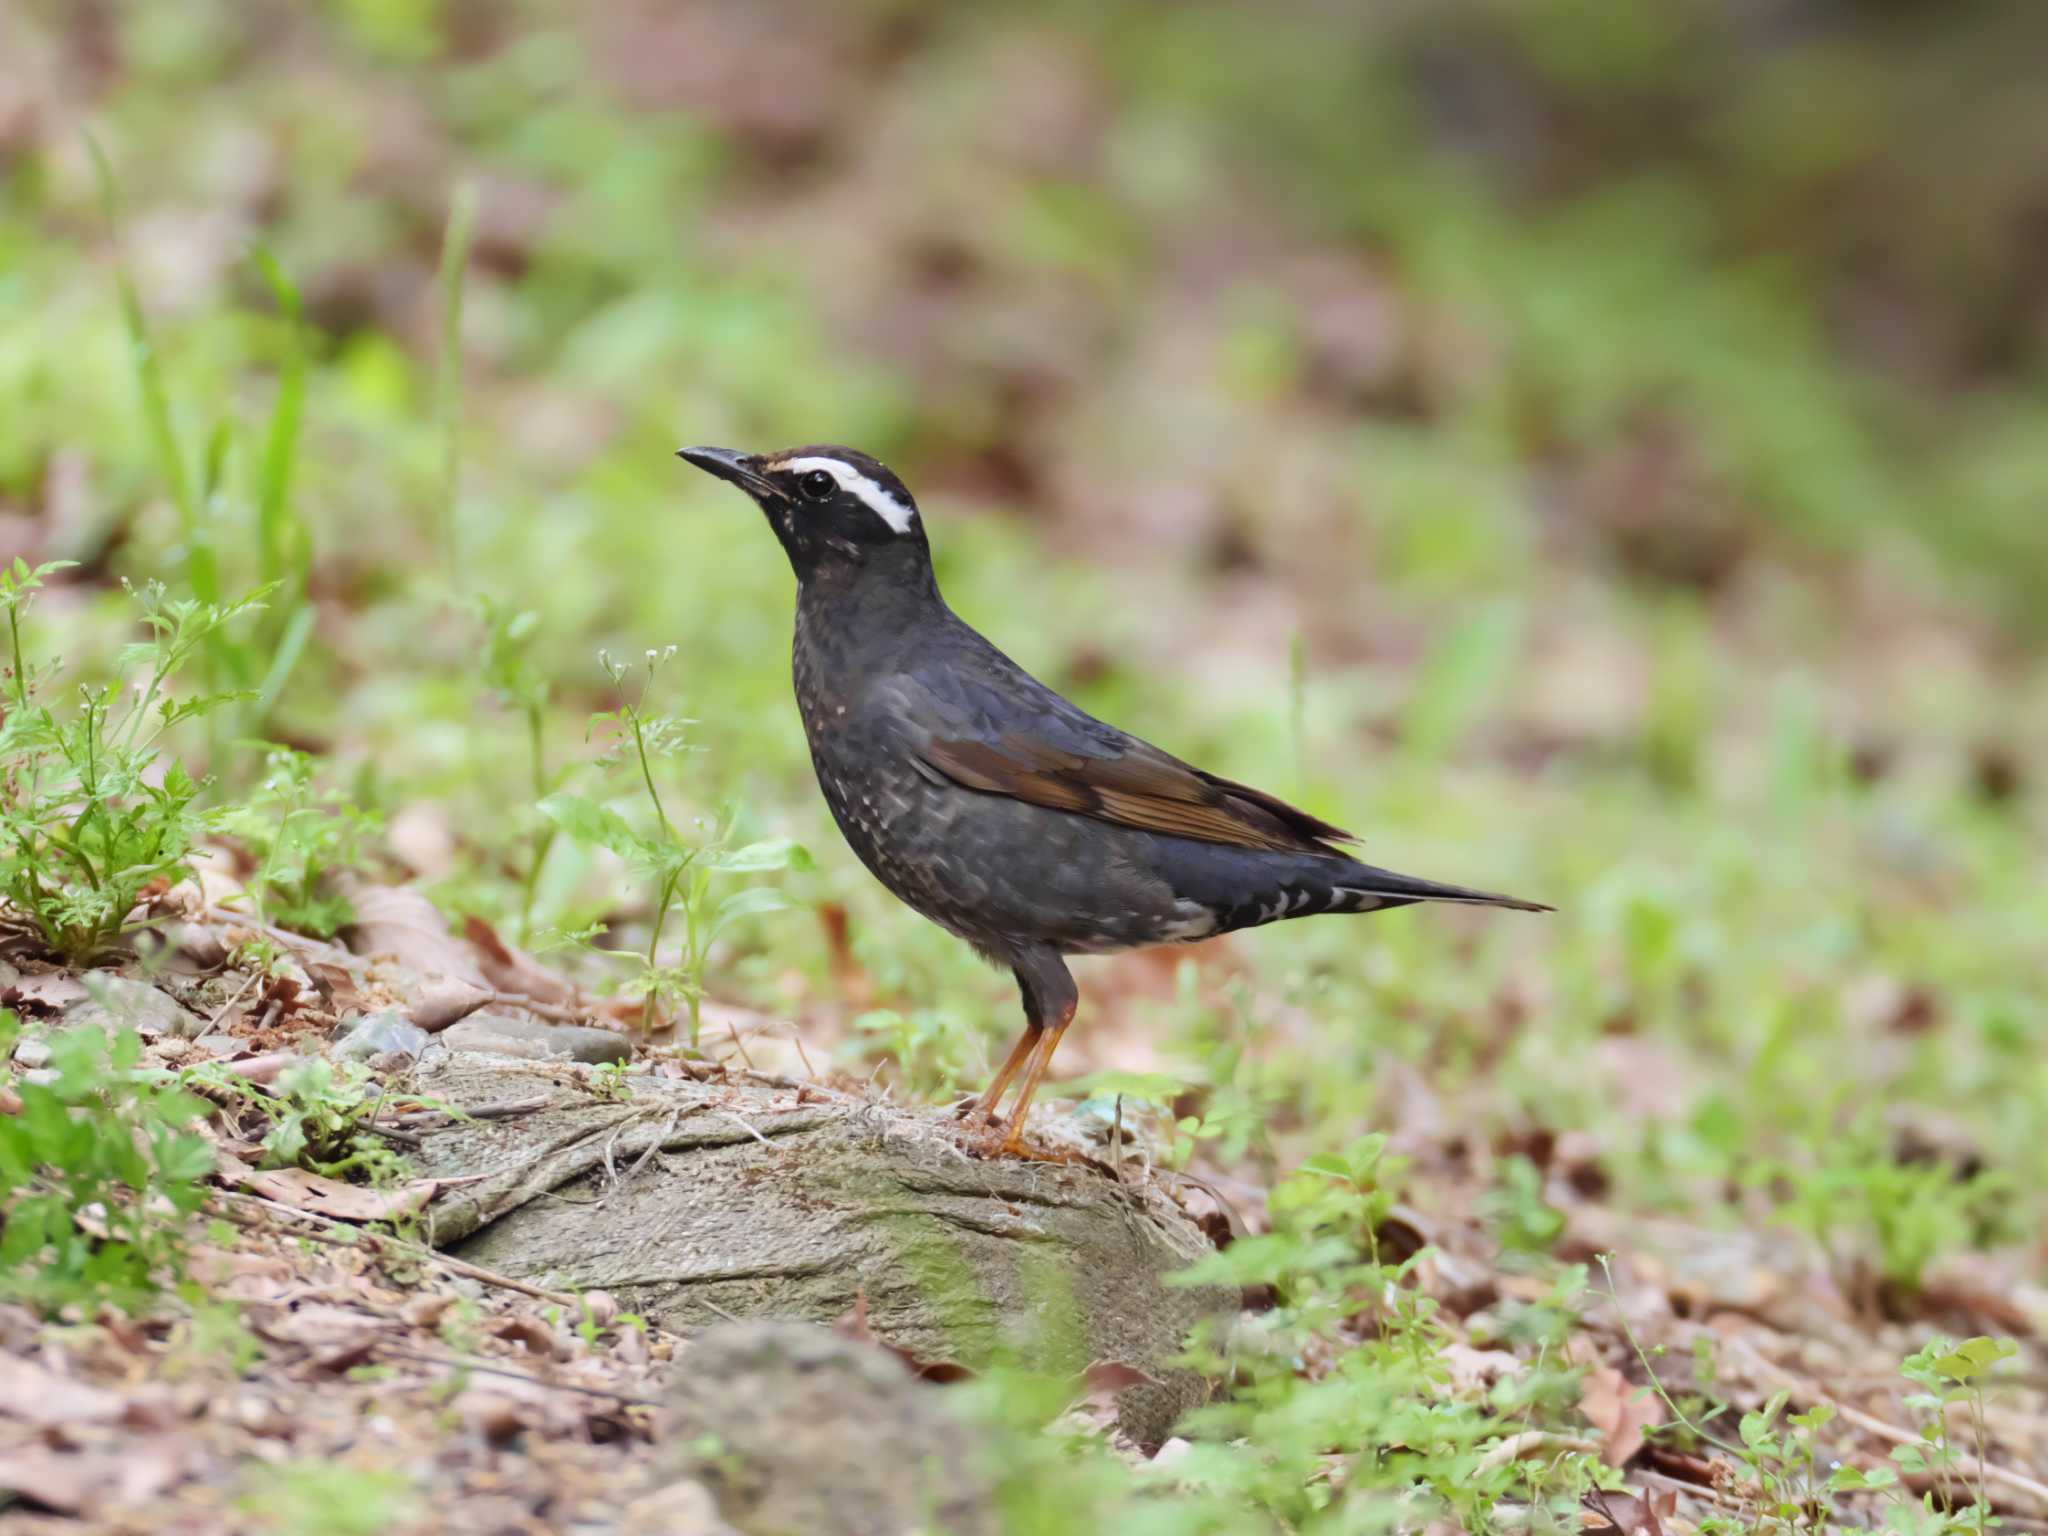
x=817, y=485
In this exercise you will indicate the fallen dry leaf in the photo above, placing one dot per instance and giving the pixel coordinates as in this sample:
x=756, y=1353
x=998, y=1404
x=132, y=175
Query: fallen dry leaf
x=83, y=1482
x=1105, y=1379
x=230, y=1171
x=513, y=970
x=496, y=1416
x=1477, y=1369
x=446, y=1000
x=263, y=1068
x=43, y=996
x=315, y=1325
x=397, y=921
x=345, y=1202
x=1638, y=1514
x=37, y=1396
x=1620, y=1412
x=536, y=1336
x=336, y=985
x=425, y=1309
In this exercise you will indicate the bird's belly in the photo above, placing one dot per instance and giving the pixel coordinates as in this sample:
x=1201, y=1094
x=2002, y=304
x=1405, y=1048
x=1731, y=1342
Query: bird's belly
x=998, y=872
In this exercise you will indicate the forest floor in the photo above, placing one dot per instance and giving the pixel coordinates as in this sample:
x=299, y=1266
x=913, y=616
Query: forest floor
x=325, y=1370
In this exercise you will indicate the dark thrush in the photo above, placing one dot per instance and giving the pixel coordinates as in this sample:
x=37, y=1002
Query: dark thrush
x=992, y=805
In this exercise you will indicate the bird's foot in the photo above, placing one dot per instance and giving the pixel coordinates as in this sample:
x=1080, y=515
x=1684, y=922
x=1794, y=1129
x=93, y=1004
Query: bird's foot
x=1016, y=1147
x=994, y=1138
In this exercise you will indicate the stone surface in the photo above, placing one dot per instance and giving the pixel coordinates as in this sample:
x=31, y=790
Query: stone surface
x=686, y=1508
x=695, y=1202
x=507, y=1035
x=798, y=1432
x=113, y=1001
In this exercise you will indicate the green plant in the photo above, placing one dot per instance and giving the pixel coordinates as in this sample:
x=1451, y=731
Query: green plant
x=99, y=1169
x=933, y=1048
x=1951, y=1375
x=1377, y=1429
x=317, y=1498
x=680, y=873
x=509, y=671
x=1866, y=1207
x=298, y=834
x=1525, y=1221
x=257, y=668
x=1782, y=1454
x=317, y=1116
x=88, y=819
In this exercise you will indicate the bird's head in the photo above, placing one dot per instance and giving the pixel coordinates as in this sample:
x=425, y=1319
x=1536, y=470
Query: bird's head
x=833, y=508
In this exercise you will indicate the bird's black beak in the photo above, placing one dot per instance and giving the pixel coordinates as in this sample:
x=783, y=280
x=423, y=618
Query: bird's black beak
x=735, y=467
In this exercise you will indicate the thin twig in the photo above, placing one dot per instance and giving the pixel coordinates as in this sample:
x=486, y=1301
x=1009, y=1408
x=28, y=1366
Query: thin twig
x=726, y=1114
x=214, y=1022
x=626, y=1398
x=504, y=1109
x=654, y=1146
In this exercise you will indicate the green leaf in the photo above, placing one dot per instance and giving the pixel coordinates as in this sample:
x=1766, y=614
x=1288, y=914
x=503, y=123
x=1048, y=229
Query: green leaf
x=752, y=901
x=589, y=822
x=753, y=858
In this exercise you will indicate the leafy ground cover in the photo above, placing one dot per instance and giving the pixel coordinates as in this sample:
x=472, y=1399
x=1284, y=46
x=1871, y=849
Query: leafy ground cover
x=1581, y=496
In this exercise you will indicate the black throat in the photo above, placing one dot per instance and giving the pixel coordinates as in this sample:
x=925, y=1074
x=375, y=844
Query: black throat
x=856, y=613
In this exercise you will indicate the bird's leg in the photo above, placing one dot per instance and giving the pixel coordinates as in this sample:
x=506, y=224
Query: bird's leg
x=1035, y=1074
x=1049, y=1000
x=985, y=1107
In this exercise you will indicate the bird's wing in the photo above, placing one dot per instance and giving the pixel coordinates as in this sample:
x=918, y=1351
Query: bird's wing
x=1000, y=731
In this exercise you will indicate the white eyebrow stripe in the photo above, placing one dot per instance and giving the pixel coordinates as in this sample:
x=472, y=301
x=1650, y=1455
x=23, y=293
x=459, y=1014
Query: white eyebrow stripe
x=882, y=503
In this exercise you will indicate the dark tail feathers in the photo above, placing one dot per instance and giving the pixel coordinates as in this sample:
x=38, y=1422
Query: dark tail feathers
x=1364, y=881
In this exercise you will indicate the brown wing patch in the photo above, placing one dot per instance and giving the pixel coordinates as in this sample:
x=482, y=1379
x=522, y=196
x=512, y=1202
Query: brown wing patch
x=1143, y=788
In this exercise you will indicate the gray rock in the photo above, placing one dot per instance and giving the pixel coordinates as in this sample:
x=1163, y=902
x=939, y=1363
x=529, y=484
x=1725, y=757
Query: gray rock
x=696, y=1202
x=376, y=1034
x=798, y=1432
x=114, y=1001
x=507, y=1035
x=30, y=1052
x=680, y=1509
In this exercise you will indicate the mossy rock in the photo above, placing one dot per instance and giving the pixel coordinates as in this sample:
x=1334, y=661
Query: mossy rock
x=695, y=1203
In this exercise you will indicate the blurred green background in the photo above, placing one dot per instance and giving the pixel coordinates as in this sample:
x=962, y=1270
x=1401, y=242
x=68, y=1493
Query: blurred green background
x=1596, y=450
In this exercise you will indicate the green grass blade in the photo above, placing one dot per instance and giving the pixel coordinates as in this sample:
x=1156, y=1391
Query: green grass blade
x=284, y=544
x=156, y=404
x=455, y=245
x=298, y=629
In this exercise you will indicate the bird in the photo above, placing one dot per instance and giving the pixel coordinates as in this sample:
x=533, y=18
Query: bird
x=997, y=808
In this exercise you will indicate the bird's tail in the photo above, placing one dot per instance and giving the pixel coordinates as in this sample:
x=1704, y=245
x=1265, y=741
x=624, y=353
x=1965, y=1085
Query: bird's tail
x=1373, y=889
x=1309, y=886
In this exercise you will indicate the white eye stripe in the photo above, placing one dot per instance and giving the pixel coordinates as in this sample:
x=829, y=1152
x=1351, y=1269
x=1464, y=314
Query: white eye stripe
x=874, y=497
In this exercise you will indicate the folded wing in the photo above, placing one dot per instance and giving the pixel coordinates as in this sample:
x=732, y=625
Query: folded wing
x=1022, y=740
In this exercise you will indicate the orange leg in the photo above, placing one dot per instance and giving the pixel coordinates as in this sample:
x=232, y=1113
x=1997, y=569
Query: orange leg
x=1033, y=1076
x=985, y=1106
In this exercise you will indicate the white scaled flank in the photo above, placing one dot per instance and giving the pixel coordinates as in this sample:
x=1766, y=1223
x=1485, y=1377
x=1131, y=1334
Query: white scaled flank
x=854, y=483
